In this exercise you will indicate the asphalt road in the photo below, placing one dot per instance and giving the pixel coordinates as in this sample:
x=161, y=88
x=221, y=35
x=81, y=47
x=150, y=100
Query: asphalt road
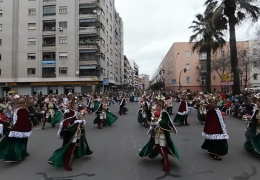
x=115, y=154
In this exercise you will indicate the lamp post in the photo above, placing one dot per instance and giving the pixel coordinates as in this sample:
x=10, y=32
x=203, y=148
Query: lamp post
x=184, y=70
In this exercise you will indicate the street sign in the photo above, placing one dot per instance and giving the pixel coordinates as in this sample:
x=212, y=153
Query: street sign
x=105, y=81
x=173, y=81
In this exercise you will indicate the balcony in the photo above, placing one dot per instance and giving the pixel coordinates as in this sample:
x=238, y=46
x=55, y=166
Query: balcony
x=49, y=26
x=89, y=71
x=49, y=2
x=203, y=57
x=90, y=4
x=88, y=30
x=89, y=45
x=88, y=61
x=48, y=41
x=49, y=59
x=48, y=72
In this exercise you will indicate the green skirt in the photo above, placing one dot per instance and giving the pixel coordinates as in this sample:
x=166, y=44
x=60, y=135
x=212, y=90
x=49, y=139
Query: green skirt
x=179, y=119
x=253, y=144
x=111, y=119
x=13, y=149
x=56, y=118
x=140, y=118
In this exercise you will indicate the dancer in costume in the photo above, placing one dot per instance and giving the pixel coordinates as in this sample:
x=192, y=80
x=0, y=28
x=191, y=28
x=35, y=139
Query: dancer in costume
x=122, y=108
x=101, y=115
x=13, y=147
x=72, y=132
x=252, y=134
x=215, y=132
x=160, y=141
x=144, y=114
x=202, y=110
x=169, y=103
x=182, y=115
x=52, y=114
x=110, y=117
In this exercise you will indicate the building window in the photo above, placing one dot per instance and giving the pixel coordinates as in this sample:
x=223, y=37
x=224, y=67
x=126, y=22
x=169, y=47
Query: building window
x=49, y=10
x=203, y=68
x=31, y=41
x=63, y=40
x=32, y=11
x=188, y=79
x=203, y=56
x=63, y=55
x=0, y=42
x=1, y=27
x=0, y=57
x=31, y=26
x=255, y=76
x=0, y=72
x=31, y=56
x=63, y=24
x=203, y=80
x=63, y=9
x=1, y=13
x=30, y=70
x=63, y=70
x=187, y=54
x=187, y=67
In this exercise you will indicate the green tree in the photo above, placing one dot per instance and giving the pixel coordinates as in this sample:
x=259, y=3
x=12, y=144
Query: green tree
x=234, y=11
x=206, y=39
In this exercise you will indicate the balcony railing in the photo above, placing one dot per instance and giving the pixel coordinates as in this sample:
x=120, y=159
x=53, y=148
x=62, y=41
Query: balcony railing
x=47, y=28
x=88, y=30
x=51, y=75
x=88, y=74
x=48, y=44
x=47, y=1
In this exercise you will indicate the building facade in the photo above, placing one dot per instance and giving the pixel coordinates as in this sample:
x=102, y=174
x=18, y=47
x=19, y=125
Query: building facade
x=57, y=46
x=135, y=73
x=180, y=56
x=254, y=47
x=144, y=81
x=128, y=73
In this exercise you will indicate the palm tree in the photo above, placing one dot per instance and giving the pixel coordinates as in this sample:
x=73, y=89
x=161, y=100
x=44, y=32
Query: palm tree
x=206, y=39
x=234, y=11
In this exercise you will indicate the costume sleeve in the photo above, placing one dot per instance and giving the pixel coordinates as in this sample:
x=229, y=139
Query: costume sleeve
x=165, y=123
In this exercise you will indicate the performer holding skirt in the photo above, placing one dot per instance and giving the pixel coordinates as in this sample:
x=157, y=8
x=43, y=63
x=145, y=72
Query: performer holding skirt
x=13, y=148
x=110, y=117
x=215, y=132
x=160, y=141
x=253, y=128
x=74, y=139
x=182, y=115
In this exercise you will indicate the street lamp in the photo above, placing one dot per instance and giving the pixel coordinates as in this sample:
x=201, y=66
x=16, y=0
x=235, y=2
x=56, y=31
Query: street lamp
x=184, y=70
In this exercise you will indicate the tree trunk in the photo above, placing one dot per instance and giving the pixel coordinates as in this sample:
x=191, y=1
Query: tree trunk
x=246, y=79
x=233, y=54
x=208, y=72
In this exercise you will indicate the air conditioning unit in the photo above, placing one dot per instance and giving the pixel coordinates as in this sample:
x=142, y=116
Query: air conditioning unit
x=197, y=67
x=60, y=29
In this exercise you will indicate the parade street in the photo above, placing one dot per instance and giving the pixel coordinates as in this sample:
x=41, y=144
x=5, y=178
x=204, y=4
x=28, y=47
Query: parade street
x=115, y=154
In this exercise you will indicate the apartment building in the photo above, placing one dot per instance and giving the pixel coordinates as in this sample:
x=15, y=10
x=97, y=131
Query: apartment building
x=57, y=46
x=180, y=56
x=144, y=81
x=128, y=73
x=135, y=73
x=254, y=77
x=158, y=75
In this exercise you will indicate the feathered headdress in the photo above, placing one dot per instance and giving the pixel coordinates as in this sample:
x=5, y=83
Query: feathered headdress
x=160, y=100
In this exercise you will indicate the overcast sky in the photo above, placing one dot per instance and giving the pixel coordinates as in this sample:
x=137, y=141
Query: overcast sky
x=152, y=26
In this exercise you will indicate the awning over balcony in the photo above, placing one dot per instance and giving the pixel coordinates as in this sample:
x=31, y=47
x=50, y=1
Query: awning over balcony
x=87, y=50
x=88, y=67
